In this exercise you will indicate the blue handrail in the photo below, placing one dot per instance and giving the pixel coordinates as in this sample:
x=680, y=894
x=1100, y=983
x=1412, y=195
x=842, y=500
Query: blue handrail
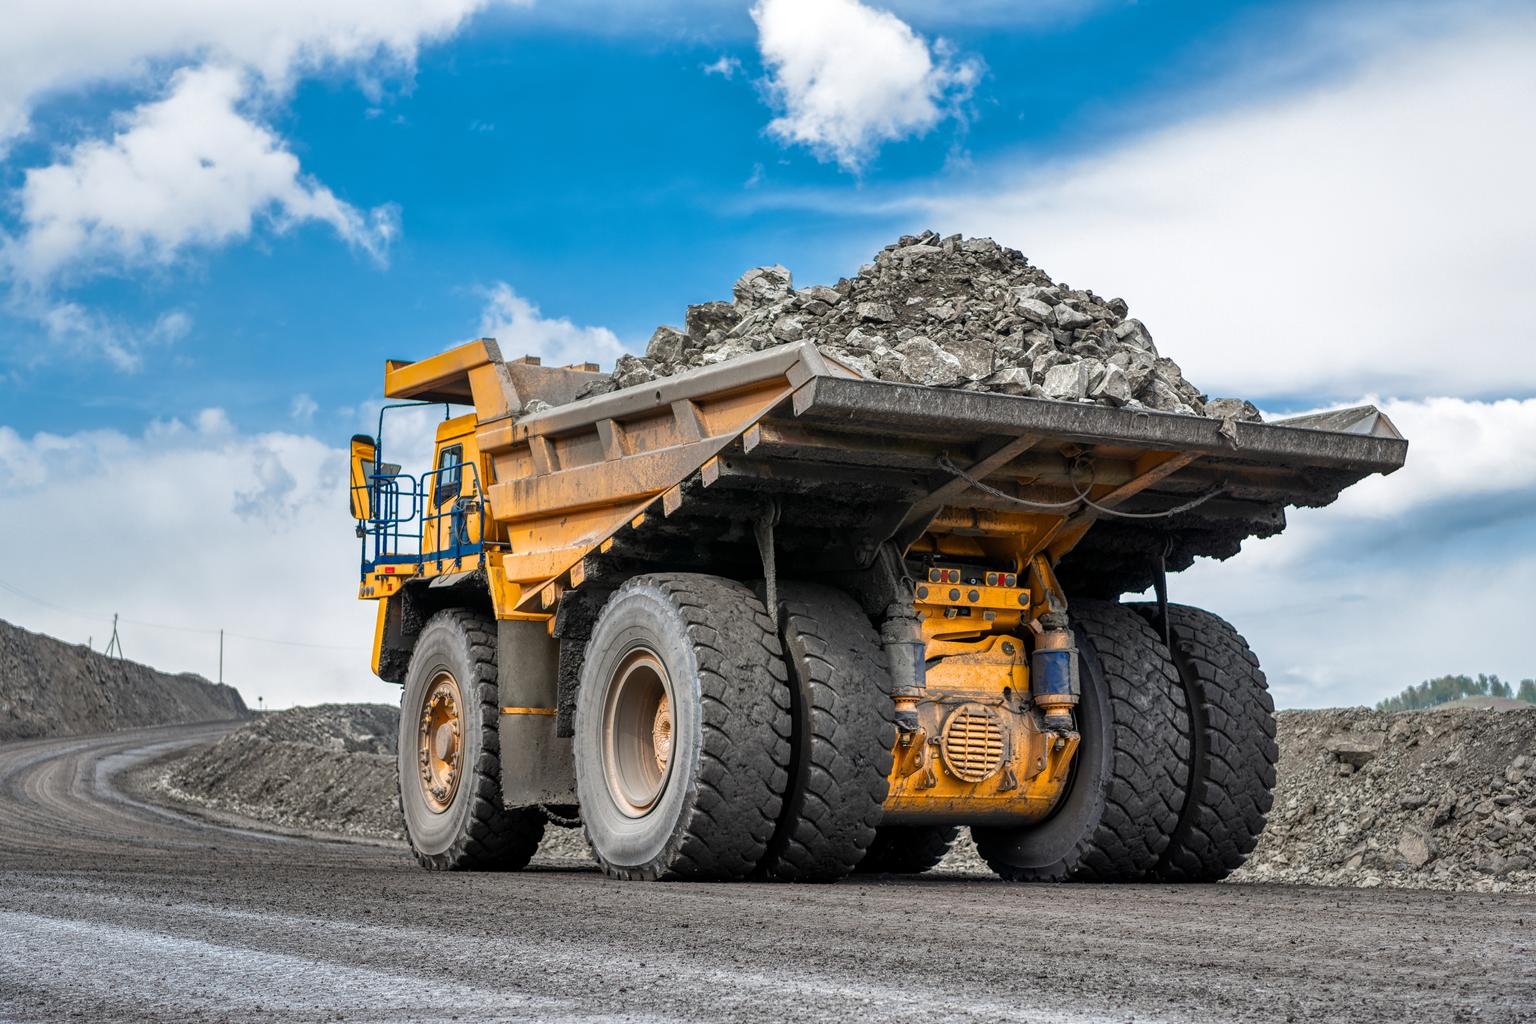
x=400, y=501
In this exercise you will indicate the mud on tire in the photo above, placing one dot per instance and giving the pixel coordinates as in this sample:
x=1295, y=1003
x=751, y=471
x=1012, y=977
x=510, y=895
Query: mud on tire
x=844, y=730
x=473, y=832
x=713, y=806
x=1232, y=751
x=1128, y=779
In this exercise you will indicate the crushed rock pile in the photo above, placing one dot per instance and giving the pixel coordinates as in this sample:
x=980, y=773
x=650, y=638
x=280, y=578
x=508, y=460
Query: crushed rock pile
x=1439, y=799
x=52, y=688
x=941, y=312
x=327, y=768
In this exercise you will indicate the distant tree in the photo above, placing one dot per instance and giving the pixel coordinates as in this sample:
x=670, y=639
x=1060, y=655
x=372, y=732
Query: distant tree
x=1443, y=689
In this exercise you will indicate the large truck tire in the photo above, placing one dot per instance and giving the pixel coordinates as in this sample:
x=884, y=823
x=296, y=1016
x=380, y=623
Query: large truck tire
x=682, y=741
x=907, y=849
x=1232, y=751
x=449, y=763
x=844, y=730
x=1128, y=778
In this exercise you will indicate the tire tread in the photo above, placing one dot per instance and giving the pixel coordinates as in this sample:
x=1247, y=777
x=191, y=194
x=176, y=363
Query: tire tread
x=1145, y=785
x=845, y=734
x=493, y=838
x=1232, y=764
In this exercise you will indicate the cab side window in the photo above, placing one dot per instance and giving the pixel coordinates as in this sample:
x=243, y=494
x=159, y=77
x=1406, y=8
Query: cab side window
x=450, y=474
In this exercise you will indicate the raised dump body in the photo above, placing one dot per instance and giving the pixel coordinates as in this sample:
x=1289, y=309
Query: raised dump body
x=770, y=619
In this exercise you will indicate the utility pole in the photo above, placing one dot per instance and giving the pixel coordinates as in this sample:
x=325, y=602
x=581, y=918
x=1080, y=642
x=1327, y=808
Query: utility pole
x=114, y=645
x=221, y=655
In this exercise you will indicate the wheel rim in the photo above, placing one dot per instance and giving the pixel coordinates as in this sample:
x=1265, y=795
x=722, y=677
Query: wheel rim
x=440, y=742
x=638, y=732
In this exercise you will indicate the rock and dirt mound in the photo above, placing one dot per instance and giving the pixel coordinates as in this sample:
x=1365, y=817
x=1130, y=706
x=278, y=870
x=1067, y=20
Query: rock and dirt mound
x=52, y=688
x=1438, y=799
x=329, y=768
x=941, y=312
x=1414, y=799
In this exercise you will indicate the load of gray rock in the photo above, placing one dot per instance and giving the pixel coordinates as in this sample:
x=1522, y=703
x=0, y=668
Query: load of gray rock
x=941, y=312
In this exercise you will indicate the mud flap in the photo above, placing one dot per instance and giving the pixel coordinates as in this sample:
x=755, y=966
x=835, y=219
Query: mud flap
x=537, y=766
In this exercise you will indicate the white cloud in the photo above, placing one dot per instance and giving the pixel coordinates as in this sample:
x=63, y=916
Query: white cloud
x=1460, y=450
x=303, y=408
x=850, y=78
x=1424, y=572
x=247, y=533
x=54, y=47
x=213, y=422
x=521, y=329
x=726, y=67
x=72, y=327
x=187, y=171
x=1372, y=234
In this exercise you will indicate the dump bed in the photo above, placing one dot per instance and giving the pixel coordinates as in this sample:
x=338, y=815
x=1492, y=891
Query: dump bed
x=676, y=472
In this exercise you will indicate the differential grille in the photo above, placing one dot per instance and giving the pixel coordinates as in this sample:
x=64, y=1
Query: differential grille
x=972, y=743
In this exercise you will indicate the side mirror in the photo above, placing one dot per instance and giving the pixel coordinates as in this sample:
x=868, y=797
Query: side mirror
x=365, y=454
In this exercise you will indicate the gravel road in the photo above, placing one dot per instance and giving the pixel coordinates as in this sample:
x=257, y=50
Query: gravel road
x=114, y=909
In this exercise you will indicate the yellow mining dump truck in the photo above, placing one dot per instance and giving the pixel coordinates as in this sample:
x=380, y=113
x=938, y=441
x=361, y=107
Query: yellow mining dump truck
x=768, y=620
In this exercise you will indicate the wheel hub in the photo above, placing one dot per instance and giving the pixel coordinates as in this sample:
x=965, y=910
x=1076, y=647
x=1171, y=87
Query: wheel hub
x=439, y=746
x=661, y=734
x=638, y=733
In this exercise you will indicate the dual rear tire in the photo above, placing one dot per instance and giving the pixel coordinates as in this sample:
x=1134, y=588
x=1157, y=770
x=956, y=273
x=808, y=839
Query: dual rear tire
x=750, y=745
x=1173, y=776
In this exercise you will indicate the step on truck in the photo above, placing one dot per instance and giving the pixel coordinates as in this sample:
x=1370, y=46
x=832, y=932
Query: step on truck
x=770, y=620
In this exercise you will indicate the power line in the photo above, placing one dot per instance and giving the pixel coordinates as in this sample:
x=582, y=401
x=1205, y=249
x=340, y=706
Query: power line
x=204, y=631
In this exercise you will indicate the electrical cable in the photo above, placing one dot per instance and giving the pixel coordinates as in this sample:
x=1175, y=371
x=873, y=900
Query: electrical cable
x=177, y=629
x=1082, y=497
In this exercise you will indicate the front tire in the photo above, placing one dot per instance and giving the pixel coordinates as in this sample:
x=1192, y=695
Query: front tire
x=449, y=765
x=1128, y=777
x=682, y=730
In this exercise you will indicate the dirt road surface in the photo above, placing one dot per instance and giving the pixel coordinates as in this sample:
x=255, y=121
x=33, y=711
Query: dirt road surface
x=114, y=909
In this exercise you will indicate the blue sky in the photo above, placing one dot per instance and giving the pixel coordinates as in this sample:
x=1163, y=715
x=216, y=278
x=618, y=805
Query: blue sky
x=1309, y=204
x=606, y=177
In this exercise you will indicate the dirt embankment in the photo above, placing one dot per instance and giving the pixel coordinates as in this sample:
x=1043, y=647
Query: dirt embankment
x=1442, y=799
x=51, y=688
x=327, y=769
x=1420, y=799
